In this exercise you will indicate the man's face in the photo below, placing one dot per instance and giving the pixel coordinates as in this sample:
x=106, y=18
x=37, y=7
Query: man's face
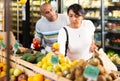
x=48, y=12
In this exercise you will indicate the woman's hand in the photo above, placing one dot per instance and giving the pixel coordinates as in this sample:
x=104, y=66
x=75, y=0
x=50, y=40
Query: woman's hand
x=55, y=48
x=93, y=47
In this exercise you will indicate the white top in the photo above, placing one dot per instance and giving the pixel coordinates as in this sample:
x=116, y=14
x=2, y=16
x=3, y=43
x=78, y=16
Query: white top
x=50, y=29
x=80, y=40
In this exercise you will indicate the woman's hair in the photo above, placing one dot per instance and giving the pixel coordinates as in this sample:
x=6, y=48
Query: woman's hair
x=77, y=9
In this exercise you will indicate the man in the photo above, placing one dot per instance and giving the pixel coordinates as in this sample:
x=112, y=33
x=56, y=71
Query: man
x=49, y=24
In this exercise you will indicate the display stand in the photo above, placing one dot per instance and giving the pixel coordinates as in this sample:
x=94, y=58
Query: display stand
x=30, y=68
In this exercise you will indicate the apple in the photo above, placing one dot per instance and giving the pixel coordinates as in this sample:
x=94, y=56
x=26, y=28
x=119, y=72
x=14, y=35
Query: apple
x=22, y=76
x=17, y=72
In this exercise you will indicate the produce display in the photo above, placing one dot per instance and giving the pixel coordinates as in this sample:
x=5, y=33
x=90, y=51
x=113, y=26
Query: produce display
x=31, y=65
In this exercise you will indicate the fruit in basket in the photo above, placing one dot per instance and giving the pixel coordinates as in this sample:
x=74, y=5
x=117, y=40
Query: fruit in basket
x=65, y=73
x=50, y=68
x=94, y=61
x=38, y=77
x=108, y=77
x=31, y=59
x=30, y=78
x=17, y=72
x=102, y=69
x=113, y=75
x=101, y=78
x=11, y=71
x=26, y=55
x=13, y=78
x=22, y=76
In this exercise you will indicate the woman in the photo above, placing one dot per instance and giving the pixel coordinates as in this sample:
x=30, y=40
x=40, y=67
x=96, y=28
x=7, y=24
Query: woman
x=80, y=33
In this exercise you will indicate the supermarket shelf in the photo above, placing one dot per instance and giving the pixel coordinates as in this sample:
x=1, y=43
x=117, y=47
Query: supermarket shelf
x=116, y=48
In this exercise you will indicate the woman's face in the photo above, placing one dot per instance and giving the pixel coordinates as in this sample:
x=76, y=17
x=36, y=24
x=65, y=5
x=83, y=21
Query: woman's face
x=75, y=19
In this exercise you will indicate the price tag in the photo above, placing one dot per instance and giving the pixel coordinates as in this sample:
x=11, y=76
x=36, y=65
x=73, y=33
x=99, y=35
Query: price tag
x=91, y=72
x=54, y=59
x=16, y=46
x=2, y=44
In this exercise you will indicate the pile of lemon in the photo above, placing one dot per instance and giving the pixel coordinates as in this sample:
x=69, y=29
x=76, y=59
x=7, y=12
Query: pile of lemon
x=63, y=65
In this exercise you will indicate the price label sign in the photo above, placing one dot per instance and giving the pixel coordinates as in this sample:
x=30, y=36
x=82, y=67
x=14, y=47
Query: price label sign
x=91, y=72
x=16, y=46
x=2, y=44
x=54, y=59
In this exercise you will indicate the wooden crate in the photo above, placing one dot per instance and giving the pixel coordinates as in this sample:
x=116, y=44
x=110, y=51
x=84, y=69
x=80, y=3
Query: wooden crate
x=30, y=68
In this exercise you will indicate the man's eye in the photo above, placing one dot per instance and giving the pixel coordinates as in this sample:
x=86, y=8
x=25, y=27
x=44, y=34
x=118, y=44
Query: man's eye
x=51, y=9
x=70, y=15
x=47, y=12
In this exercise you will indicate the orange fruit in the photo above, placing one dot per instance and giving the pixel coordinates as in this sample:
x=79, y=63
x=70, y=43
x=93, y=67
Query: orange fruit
x=38, y=77
x=30, y=78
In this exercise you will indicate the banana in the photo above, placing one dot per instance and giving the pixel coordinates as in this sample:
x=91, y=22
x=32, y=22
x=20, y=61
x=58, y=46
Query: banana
x=22, y=2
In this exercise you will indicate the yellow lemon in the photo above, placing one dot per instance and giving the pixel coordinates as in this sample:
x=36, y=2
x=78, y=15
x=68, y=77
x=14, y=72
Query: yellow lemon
x=44, y=59
x=39, y=64
x=59, y=73
x=56, y=45
x=74, y=62
x=44, y=66
x=57, y=68
x=61, y=56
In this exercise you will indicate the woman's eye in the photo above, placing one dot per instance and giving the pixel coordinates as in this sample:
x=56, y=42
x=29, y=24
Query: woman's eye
x=76, y=15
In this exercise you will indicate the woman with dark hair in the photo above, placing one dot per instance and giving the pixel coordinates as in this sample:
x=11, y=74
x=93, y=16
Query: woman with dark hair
x=80, y=35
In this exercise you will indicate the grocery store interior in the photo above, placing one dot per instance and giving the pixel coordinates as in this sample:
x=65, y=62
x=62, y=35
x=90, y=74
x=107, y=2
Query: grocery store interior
x=20, y=20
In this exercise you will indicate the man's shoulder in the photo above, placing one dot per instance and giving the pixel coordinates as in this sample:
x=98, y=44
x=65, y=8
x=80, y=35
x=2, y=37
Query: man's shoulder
x=42, y=19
